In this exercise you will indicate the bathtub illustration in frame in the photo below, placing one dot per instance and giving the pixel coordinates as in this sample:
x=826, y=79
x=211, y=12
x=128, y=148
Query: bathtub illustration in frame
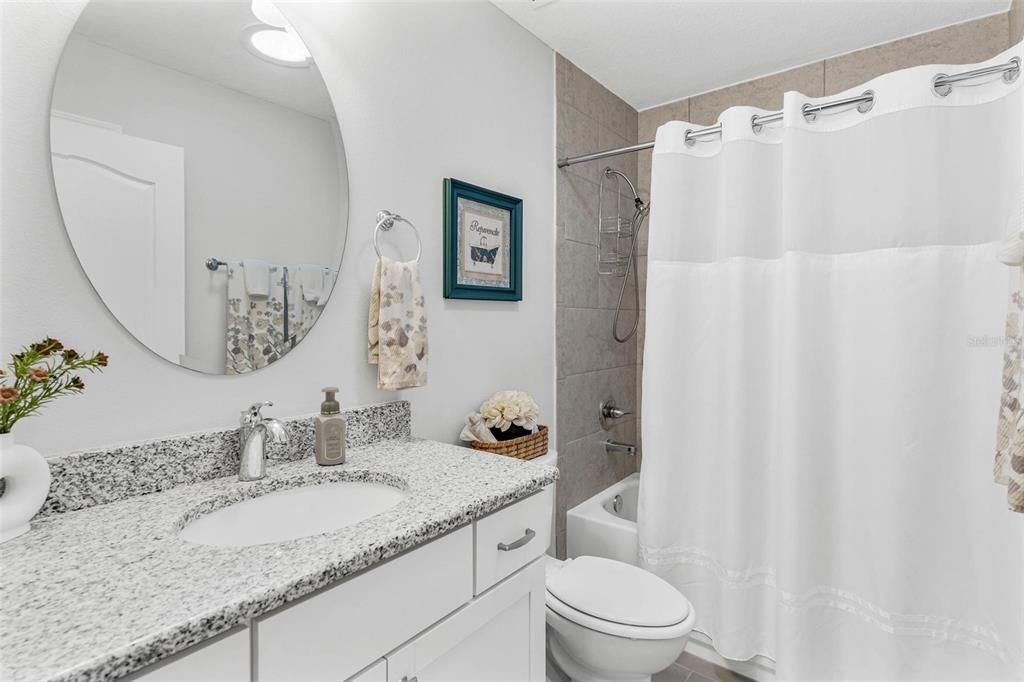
x=483, y=243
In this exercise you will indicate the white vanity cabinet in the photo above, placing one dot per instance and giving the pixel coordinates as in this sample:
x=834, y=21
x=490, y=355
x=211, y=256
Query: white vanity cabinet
x=466, y=606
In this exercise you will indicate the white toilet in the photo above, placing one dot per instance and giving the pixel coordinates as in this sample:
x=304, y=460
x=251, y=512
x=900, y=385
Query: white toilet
x=608, y=621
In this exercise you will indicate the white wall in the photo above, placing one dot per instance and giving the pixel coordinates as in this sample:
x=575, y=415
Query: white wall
x=249, y=193
x=423, y=91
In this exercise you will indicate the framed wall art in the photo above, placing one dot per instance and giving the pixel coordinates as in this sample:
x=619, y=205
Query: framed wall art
x=483, y=243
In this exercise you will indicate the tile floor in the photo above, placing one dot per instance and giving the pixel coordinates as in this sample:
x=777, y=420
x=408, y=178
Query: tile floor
x=692, y=669
x=687, y=669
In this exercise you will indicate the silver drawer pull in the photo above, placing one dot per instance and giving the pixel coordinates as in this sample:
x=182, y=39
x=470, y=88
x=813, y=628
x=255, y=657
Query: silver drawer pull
x=527, y=536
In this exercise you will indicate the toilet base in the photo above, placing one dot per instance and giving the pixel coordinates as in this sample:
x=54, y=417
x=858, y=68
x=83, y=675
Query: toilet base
x=577, y=672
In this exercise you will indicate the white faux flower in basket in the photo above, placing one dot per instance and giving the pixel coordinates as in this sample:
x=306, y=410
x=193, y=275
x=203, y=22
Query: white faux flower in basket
x=511, y=418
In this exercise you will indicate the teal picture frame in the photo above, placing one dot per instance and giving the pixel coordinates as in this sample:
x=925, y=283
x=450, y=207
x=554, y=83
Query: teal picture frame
x=474, y=268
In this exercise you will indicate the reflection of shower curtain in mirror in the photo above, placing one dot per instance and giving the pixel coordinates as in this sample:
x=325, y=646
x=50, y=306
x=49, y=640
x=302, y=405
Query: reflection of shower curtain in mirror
x=818, y=413
x=255, y=324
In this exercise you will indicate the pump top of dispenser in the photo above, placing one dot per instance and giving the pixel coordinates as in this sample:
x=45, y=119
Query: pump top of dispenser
x=330, y=404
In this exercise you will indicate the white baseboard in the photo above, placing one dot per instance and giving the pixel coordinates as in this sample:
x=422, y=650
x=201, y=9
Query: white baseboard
x=759, y=668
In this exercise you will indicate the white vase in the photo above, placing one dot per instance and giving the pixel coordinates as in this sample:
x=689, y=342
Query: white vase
x=27, y=479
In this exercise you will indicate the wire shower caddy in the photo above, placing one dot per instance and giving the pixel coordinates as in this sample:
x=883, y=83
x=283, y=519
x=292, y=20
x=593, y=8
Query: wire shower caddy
x=614, y=228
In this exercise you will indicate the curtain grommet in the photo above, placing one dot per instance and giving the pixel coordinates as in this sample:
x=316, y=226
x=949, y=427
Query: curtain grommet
x=1013, y=74
x=869, y=104
x=941, y=90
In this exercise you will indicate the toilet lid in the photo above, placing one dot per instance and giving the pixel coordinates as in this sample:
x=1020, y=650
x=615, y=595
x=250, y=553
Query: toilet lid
x=618, y=592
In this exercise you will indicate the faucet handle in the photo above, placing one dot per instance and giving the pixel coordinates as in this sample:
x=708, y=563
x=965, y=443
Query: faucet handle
x=253, y=415
x=610, y=411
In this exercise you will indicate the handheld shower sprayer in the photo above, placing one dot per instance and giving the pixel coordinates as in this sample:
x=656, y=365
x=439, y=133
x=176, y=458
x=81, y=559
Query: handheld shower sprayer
x=640, y=213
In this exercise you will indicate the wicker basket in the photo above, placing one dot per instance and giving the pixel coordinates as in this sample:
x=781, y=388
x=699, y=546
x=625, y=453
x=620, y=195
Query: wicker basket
x=526, y=447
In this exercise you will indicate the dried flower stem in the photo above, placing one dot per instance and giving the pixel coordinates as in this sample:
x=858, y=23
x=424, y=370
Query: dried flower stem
x=32, y=389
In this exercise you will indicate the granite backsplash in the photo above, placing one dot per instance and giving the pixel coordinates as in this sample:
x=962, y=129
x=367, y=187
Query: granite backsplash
x=91, y=477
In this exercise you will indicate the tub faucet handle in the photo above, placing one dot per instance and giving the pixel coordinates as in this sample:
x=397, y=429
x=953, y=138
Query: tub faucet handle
x=610, y=411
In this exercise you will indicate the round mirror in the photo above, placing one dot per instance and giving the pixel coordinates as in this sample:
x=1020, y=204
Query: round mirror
x=201, y=176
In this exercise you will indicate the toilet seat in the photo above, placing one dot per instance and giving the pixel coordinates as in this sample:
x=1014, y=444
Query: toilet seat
x=617, y=599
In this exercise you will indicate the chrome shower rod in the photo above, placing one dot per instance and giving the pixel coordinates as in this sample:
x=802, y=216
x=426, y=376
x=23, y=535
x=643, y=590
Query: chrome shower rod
x=570, y=160
x=942, y=84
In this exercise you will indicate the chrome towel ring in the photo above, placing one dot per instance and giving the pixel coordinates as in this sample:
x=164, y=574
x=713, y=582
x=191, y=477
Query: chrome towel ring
x=385, y=221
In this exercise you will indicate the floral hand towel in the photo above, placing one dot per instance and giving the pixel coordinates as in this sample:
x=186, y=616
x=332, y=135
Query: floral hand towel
x=255, y=325
x=1009, y=464
x=397, y=326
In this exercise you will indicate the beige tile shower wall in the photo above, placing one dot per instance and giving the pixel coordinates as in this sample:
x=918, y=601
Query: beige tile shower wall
x=966, y=43
x=1016, y=21
x=591, y=366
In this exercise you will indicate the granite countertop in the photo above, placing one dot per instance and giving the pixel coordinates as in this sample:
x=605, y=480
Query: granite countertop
x=104, y=591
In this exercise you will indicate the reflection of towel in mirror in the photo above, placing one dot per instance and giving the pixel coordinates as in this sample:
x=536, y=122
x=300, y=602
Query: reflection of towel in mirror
x=307, y=285
x=330, y=276
x=257, y=277
x=310, y=281
x=255, y=325
x=397, y=325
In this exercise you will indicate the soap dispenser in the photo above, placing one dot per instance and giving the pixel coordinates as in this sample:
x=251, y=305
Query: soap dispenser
x=330, y=431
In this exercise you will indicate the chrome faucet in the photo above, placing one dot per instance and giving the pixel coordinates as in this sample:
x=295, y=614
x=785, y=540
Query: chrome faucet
x=256, y=429
x=614, y=446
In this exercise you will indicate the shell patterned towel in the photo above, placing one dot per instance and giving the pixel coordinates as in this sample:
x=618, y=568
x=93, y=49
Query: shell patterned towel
x=397, y=326
x=1009, y=463
x=255, y=324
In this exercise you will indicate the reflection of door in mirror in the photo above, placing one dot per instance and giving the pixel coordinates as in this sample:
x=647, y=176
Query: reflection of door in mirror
x=126, y=198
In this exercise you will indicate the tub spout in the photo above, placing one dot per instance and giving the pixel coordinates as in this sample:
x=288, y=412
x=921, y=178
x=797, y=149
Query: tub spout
x=614, y=446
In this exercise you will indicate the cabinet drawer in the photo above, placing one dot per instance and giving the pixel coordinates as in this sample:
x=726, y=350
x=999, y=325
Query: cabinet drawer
x=335, y=633
x=512, y=537
x=221, y=659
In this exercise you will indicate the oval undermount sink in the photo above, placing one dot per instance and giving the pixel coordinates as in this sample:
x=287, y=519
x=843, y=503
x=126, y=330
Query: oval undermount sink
x=292, y=513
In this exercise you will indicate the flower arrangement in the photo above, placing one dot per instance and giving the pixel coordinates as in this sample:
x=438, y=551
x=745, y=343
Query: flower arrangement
x=40, y=373
x=510, y=414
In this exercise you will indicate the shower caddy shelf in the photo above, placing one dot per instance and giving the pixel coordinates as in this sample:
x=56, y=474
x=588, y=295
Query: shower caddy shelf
x=612, y=230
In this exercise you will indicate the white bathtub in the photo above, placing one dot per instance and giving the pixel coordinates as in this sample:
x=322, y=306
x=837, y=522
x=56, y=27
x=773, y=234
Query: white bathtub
x=596, y=528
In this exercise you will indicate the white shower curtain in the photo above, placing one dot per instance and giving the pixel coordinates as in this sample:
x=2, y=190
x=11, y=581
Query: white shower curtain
x=822, y=378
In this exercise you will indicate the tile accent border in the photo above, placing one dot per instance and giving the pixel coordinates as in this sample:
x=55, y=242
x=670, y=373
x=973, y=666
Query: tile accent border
x=92, y=477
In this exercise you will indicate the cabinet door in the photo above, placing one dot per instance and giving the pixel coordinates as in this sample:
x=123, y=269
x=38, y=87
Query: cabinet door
x=497, y=636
